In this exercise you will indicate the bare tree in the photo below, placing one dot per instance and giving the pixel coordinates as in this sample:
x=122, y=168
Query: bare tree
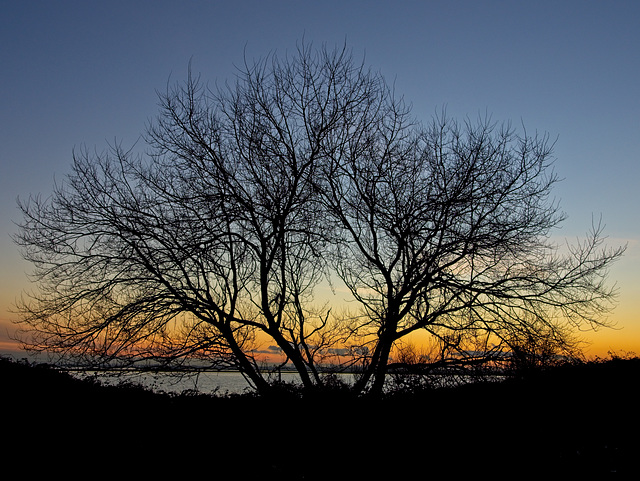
x=215, y=240
x=447, y=229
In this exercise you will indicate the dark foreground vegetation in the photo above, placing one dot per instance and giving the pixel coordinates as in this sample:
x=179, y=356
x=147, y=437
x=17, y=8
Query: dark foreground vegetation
x=575, y=420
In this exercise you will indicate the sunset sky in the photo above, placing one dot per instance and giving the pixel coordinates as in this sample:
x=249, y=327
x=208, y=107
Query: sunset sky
x=86, y=73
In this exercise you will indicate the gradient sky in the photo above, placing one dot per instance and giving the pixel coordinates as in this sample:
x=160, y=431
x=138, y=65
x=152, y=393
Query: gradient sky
x=79, y=73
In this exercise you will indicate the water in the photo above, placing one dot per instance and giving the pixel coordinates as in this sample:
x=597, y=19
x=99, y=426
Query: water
x=225, y=382
x=205, y=382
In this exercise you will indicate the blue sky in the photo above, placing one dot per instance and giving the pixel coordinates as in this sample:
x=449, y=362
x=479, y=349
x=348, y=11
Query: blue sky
x=86, y=73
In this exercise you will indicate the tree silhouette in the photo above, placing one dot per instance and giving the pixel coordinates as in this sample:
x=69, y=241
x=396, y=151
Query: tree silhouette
x=446, y=229
x=305, y=167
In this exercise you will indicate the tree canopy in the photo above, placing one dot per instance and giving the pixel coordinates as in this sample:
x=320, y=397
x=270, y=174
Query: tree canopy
x=308, y=169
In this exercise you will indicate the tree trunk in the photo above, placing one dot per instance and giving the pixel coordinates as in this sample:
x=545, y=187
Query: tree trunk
x=245, y=366
x=376, y=370
x=380, y=370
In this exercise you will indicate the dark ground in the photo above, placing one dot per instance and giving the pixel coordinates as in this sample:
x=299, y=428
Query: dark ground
x=570, y=422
